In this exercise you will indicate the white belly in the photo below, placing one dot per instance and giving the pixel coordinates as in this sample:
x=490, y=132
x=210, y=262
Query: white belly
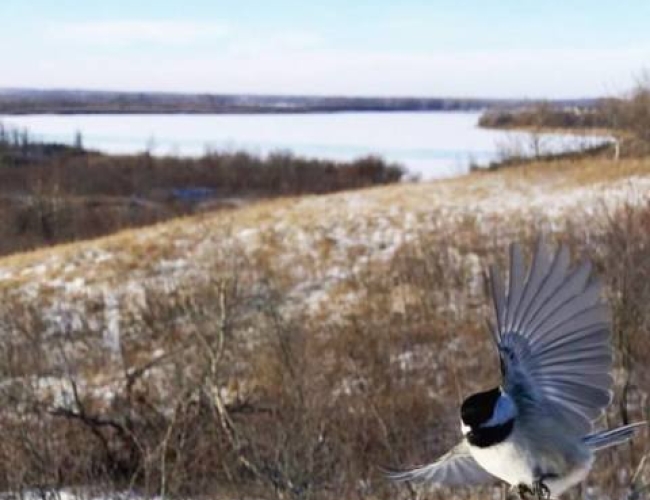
x=505, y=461
x=517, y=465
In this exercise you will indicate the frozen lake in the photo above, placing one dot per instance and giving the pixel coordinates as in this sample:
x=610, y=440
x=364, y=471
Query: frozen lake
x=429, y=144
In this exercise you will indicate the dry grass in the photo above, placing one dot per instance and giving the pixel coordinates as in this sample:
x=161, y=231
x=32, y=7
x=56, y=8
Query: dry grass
x=558, y=188
x=52, y=194
x=284, y=350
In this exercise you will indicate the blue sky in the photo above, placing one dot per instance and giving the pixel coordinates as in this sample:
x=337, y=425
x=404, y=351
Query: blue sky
x=506, y=48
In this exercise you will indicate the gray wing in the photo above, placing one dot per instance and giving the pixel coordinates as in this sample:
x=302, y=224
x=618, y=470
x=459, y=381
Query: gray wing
x=455, y=468
x=553, y=335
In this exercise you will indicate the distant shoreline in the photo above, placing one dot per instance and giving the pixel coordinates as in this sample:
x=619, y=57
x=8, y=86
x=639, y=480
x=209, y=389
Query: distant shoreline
x=261, y=111
x=70, y=102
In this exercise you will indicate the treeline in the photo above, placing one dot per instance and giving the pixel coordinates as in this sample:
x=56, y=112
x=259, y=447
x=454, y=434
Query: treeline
x=630, y=114
x=545, y=115
x=52, y=194
x=219, y=174
x=70, y=102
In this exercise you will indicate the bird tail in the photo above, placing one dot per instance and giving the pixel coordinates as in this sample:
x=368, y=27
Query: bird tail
x=605, y=439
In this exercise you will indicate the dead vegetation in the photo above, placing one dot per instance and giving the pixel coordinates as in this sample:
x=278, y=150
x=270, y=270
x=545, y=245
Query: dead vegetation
x=625, y=118
x=287, y=350
x=51, y=194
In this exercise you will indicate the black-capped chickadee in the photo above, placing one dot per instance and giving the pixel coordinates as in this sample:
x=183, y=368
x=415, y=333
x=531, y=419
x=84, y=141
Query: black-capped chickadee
x=552, y=333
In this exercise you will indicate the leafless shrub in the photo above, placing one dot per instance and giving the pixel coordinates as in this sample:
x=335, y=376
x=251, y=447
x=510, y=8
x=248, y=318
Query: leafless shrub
x=227, y=387
x=53, y=194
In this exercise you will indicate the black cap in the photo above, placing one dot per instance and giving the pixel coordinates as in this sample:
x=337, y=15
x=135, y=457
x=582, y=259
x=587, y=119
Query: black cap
x=478, y=408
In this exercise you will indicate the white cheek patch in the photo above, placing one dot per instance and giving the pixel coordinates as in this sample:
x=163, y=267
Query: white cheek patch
x=465, y=429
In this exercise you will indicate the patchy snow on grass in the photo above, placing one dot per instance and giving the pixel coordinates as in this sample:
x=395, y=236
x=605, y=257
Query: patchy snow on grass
x=316, y=243
x=83, y=493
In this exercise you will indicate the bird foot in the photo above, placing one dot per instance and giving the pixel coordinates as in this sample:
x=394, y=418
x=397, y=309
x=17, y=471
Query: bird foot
x=538, y=491
x=541, y=490
x=525, y=492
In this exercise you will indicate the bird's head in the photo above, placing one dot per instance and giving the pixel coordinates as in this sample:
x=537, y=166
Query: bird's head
x=486, y=409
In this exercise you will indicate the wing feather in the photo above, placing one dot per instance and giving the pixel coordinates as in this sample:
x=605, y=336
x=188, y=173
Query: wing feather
x=572, y=286
x=455, y=468
x=516, y=285
x=593, y=319
x=553, y=332
x=588, y=300
x=552, y=280
x=576, y=339
x=498, y=296
x=597, y=380
x=539, y=270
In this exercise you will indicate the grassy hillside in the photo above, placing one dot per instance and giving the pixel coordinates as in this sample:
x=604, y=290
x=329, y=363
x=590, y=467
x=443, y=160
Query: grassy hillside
x=287, y=348
x=53, y=194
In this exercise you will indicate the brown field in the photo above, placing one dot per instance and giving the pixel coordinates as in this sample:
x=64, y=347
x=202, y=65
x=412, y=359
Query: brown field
x=52, y=194
x=289, y=348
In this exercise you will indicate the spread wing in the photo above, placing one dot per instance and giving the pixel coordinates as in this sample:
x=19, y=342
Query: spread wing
x=553, y=335
x=454, y=468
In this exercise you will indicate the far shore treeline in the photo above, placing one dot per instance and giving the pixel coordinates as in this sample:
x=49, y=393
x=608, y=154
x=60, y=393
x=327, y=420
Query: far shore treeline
x=28, y=101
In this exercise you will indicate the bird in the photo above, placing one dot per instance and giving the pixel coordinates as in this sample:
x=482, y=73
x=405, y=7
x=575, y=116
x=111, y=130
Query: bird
x=535, y=430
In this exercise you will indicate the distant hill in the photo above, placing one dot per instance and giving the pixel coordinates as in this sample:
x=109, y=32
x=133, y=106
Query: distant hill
x=31, y=101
